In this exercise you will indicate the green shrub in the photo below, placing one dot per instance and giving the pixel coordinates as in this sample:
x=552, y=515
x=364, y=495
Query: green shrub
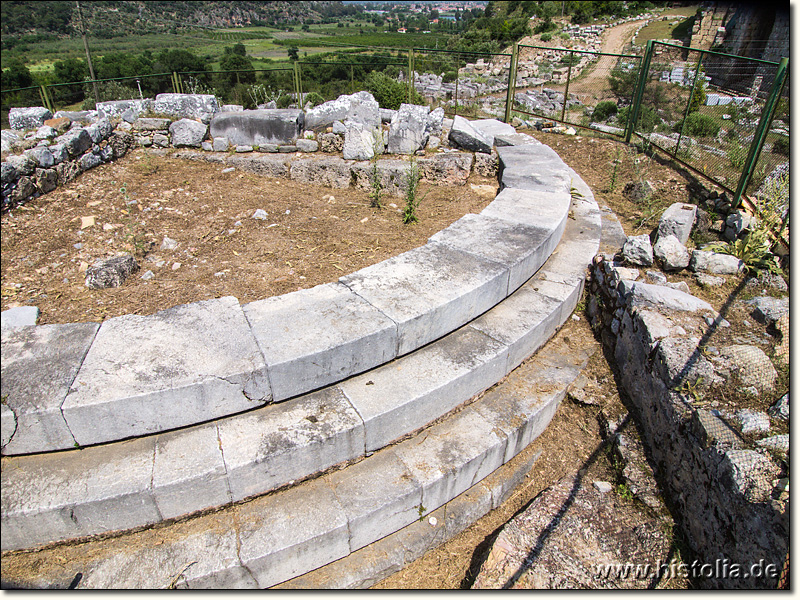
x=449, y=76
x=546, y=37
x=604, y=110
x=699, y=125
x=781, y=146
x=648, y=119
x=389, y=92
x=284, y=101
x=314, y=98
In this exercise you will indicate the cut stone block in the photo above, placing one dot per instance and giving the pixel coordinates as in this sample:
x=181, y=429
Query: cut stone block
x=361, y=107
x=520, y=248
x=379, y=497
x=329, y=171
x=548, y=210
x=178, y=367
x=514, y=139
x=398, y=398
x=284, y=535
x=492, y=127
x=314, y=337
x=259, y=127
x=277, y=444
x=430, y=291
x=453, y=457
x=49, y=499
x=189, y=472
x=523, y=321
x=677, y=220
x=270, y=166
x=39, y=365
x=407, y=132
x=464, y=135
x=19, y=316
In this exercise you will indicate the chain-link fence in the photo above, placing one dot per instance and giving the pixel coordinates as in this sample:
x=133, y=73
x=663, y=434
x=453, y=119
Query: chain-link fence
x=723, y=116
x=576, y=87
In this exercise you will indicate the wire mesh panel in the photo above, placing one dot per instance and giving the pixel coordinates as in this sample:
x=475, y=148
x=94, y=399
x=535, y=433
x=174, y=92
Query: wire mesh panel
x=577, y=87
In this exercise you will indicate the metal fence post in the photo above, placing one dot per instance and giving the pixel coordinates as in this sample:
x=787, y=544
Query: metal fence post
x=761, y=131
x=46, y=98
x=566, y=88
x=512, y=82
x=410, y=74
x=633, y=114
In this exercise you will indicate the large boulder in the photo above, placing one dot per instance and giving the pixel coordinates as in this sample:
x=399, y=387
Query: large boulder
x=407, y=129
x=361, y=141
x=677, y=220
x=188, y=132
x=42, y=156
x=259, y=127
x=703, y=261
x=193, y=106
x=116, y=108
x=464, y=135
x=100, y=130
x=672, y=254
x=638, y=250
x=30, y=117
x=433, y=122
x=361, y=107
x=77, y=141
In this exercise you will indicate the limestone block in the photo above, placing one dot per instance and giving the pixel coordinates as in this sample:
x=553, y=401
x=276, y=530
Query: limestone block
x=184, y=365
x=671, y=252
x=407, y=131
x=677, y=220
x=39, y=365
x=328, y=171
x=361, y=107
x=193, y=106
x=711, y=262
x=188, y=132
x=259, y=127
x=430, y=291
x=30, y=117
x=452, y=168
x=638, y=250
x=464, y=135
x=392, y=175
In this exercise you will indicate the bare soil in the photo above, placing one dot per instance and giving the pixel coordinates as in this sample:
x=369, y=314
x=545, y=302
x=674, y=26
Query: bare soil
x=311, y=235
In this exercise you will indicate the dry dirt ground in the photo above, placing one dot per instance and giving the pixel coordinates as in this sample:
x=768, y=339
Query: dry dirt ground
x=311, y=235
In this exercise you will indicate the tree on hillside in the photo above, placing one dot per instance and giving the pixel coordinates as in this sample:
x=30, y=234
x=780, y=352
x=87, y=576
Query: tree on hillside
x=293, y=53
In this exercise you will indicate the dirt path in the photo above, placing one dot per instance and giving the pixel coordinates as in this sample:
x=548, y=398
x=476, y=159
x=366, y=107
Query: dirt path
x=594, y=80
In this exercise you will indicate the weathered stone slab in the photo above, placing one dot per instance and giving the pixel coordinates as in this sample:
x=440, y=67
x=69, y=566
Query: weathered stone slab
x=50, y=500
x=39, y=365
x=195, y=106
x=522, y=249
x=274, y=445
x=464, y=135
x=188, y=132
x=514, y=139
x=530, y=157
x=548, y=210
x=361, y=107
x=116, y=108
x=637, y=250
x=328, y=171
x=647, y=295
x=407, y=130
x=284, y=535
x=178, y=367
x=432, y=381
x=430, y=291
x=453, y=457
x=271, y=166
x=703, y=261
x=677, y=220
x=30, y=117
x=259, y=127
x=523, y=321
x=361, y=141
x=314, y=337
x=19, y=316
x=189, y=473
x=379, y=497
x=492, y=127
x=391, y=173
x=452, y=168
x=77, y=141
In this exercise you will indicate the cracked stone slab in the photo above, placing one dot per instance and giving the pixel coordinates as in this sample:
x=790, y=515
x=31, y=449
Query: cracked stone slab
x=453, y=456
x=315, y=337
x=538, y=208
x=189, y=472
x=178, y=367
x=430, y=291
x=284, y=535
x=402, y=396
x=49, y=499
x=522, y=249
x=378, y=497
x=39, y=365
x=277, y=444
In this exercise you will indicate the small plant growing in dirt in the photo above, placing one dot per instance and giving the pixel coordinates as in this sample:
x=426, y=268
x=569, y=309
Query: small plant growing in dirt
x=754, y=250
x=612, y=186
x=135, y=237
x=412, y=194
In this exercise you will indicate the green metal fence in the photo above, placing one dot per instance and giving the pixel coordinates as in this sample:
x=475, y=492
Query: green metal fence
x=715, y=113
x=581, y=88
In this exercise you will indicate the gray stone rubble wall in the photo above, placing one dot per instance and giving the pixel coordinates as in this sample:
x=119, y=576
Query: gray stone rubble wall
x=721, y=489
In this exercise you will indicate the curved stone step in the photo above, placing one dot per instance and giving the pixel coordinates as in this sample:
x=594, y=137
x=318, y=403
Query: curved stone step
x=372, y=517
x=134, y=376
